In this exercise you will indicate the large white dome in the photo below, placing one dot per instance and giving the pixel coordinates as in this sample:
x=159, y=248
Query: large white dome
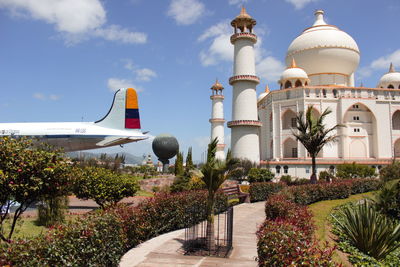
x=324, y=49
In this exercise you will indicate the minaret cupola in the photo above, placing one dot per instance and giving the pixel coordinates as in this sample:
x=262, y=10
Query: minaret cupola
x=391, y=79
x=293, y=76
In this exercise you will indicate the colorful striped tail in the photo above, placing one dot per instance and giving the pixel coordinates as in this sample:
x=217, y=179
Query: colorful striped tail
x=132, y=119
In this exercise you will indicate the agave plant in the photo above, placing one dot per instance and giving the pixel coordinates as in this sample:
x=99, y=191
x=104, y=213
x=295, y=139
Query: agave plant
x=368, y=230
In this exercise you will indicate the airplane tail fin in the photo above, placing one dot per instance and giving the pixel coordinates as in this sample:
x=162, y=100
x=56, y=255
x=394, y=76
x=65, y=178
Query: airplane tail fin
x=124, y=111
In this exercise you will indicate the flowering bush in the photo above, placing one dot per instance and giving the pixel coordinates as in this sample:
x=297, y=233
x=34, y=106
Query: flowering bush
x=101, y=238
x=261, y=191
x=286, y=237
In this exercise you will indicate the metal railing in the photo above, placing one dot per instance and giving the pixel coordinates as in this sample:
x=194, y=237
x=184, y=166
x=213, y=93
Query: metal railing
x=196, y=236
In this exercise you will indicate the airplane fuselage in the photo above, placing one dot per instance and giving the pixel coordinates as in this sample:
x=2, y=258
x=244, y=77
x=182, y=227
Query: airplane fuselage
x=73, y=136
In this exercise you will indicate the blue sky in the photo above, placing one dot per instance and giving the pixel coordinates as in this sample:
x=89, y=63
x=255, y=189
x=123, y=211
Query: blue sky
x=61, y=60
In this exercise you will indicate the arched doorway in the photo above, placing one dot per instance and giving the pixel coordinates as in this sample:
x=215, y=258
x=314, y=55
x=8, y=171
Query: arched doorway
x=397, y=148
x=358, y=149
x=396, y=120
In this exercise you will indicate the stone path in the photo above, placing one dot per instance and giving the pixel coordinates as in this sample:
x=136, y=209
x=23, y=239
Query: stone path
x=166, y=250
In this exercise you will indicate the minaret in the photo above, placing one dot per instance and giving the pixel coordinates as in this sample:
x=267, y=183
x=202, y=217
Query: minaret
x=245, y=124
x=217, y=119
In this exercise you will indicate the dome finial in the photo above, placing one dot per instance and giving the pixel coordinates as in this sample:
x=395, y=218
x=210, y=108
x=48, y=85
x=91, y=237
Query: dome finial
x=293, y=65
x=319, y=18
x=266, y=88
x=391, y=68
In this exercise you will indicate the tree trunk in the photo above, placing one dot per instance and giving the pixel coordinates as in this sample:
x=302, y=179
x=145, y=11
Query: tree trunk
x=210, y=231
x=314, y=170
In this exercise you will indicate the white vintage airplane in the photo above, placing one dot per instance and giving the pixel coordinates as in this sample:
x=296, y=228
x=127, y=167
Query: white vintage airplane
x=120, y=126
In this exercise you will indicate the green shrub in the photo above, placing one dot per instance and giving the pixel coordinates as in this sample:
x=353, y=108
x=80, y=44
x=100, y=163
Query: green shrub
x=353, y=170
x=359, y=186
x=326, y=176
x=390, y=172
x=103, y=186
x=101, y=238
x=257, y=175
x=368, y=230
x=287, y=179
x=307, y=194
x=261, y=191
x=387, y=200
x=94, y=240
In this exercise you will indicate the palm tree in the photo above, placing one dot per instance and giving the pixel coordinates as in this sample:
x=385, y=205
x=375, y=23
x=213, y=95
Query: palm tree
x=213, y=173
x=312, y=133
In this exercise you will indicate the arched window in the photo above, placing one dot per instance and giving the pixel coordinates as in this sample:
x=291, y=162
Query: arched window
x=288, y=84
x=306, y=84
x=285, y=169
x=278, y=169
x=290, y=148
x=297, y=84
x=390, y=86
x=334, y=93
x=399, y=86
x=396, y=120
x=288, y=119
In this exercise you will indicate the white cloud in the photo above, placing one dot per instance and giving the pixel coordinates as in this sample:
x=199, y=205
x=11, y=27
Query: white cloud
x=384, y=62
x=220, y=48
x=71, y=16
x=270, y=68
x=142, y=74
x=237, y=2
x=76, y=20
x=381, y=63
x=43, y=97
x=145, y=74
x=299, y=4
x=116, y=33
x=114, y=84
x=186, y=12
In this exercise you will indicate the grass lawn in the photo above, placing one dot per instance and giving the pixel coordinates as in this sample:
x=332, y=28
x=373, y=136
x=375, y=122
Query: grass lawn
x=26, y=228
x=321, y=211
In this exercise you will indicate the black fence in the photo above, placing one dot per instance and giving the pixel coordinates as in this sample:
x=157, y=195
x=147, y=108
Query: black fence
x=196, y=236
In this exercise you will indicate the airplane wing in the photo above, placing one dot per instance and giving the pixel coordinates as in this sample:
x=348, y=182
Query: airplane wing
x=116, y=140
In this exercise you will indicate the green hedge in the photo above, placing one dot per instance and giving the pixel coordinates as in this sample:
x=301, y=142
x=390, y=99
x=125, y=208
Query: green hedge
x=101, y=238
x=261, y=191
x=310, y=193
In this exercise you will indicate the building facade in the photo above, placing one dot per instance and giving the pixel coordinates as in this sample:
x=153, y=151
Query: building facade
x=321, y=64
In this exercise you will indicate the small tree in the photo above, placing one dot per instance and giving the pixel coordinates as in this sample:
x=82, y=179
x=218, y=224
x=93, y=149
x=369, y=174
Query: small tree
x=179, y=164
x=213, y=173
x=103, y=186
x=29, y=173
x=312, y=133
x=189, y=162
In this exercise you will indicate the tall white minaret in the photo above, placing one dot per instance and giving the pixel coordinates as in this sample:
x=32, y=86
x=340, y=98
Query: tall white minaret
x=217, y=119
x=245, y=124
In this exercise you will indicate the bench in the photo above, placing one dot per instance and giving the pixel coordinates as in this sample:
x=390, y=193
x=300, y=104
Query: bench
x=235, y=192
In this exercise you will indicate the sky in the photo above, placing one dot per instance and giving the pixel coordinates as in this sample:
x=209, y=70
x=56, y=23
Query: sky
x=62, y=60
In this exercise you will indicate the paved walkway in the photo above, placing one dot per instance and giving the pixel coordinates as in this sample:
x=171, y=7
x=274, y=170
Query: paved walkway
x=166, y=250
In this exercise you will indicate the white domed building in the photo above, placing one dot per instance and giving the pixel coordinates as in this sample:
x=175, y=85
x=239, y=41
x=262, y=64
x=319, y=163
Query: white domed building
x=321, y=64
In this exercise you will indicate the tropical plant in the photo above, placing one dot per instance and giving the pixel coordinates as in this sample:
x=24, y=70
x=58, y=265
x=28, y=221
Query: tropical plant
x=386, y=200
x=390, y=172
x=243, y=167
x=104, y=186
x=313, y=134
x=213, y=173
x=368, y=230
x=30, y=172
